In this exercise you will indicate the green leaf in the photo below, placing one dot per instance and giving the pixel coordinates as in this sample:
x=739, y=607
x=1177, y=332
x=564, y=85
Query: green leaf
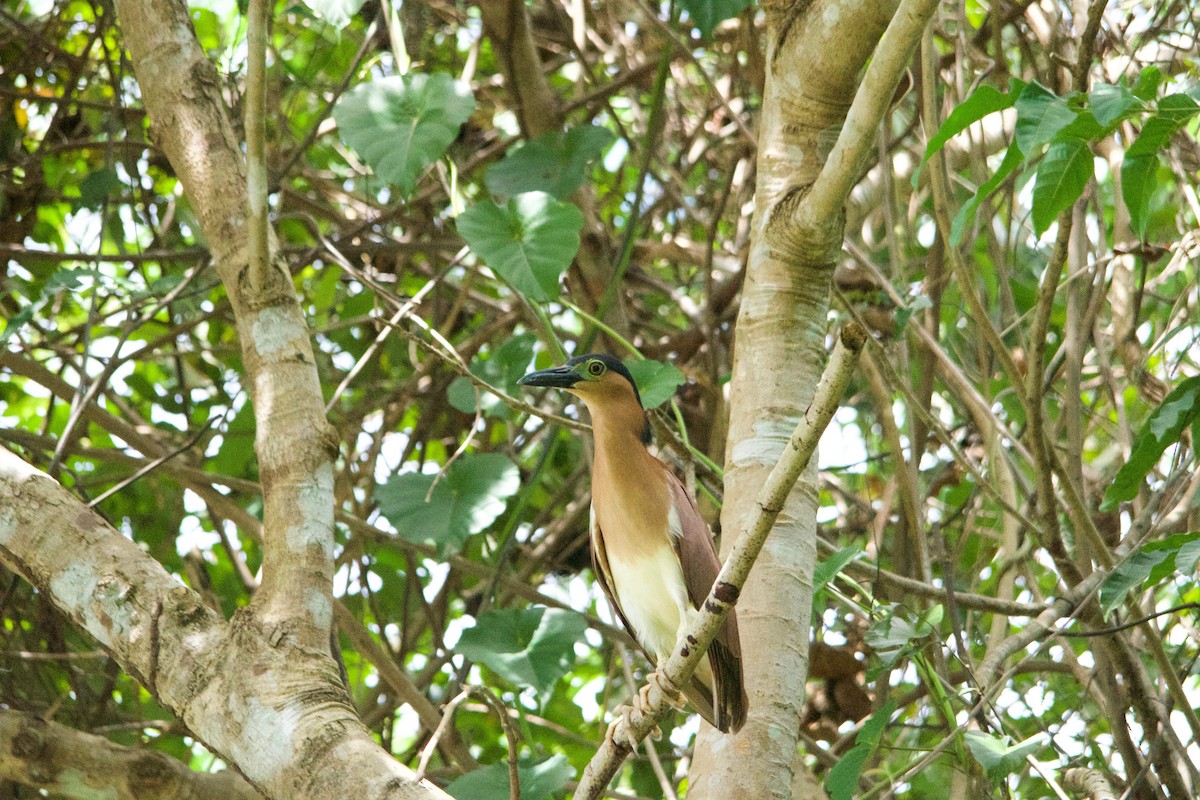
x=337, y=13
x=1164, y=427
x=1151, y=562
x=530, y=242
x=1110, y=104
x=995, y=755
x=1139, y=178
x=707, y=14
x=1041, y=114
x=891, y=636
x=983, y=101
x=1147, y=83
x=828, y=569
x=525, y=646
x=1012, y=159
x=402, y=124
x=976, y=13
x=555, y=163
x=97, y=187
x=19, y=320
x=468, y=498
x=1188, y=555
x=501, y=369
x=71, y=278
x=538, y=779
x=656, y=381
x=1173, y=113
x=1061, y=178
x=1139, y=171
x=842, y=783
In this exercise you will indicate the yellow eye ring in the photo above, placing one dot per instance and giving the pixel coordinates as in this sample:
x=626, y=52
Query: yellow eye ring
x=596, y=368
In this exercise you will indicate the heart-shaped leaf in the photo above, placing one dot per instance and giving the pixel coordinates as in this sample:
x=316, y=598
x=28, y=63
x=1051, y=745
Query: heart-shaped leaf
x=525, y=646
x=402, y=124
x=468, y=498
x=528, y=242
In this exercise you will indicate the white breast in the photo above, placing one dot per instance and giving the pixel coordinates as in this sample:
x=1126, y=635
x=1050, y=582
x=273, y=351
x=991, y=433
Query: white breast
x=653, y=598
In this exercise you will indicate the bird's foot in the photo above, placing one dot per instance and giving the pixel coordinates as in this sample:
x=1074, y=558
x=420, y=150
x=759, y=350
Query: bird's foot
x=620, y=730
x=659, y=690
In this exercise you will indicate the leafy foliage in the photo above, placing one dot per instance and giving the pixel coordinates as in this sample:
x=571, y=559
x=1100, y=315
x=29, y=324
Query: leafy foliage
x=996, y=756
x=1151, y=562
x=656, y=381
x=843, y=778
x=123, y=374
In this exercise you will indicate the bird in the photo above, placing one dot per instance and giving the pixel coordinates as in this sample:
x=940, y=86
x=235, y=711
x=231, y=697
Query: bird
x=652, y=552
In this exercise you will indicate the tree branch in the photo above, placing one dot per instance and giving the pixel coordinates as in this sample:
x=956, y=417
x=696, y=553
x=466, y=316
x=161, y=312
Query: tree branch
x=856, y=142
x=274, y=710
x=294, y=442
x=62, y=760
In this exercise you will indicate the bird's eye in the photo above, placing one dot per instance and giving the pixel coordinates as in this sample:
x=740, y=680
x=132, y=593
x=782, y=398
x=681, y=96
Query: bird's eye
x=595, y=368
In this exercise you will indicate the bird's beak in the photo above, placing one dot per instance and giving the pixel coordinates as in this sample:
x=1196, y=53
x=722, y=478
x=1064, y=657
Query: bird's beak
x=557, y=378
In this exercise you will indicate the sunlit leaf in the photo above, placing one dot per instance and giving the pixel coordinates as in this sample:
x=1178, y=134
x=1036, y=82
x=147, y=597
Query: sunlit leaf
x=529, y=242
x=402, y=124
x=996, y=756
x=527, y=646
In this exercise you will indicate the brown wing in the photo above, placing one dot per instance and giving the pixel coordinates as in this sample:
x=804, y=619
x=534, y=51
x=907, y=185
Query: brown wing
x=700, y=567
x=699, y=695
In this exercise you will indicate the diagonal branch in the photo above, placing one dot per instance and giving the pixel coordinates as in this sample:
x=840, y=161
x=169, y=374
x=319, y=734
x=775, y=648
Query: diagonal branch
x=703, y=628
x=856, y=141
